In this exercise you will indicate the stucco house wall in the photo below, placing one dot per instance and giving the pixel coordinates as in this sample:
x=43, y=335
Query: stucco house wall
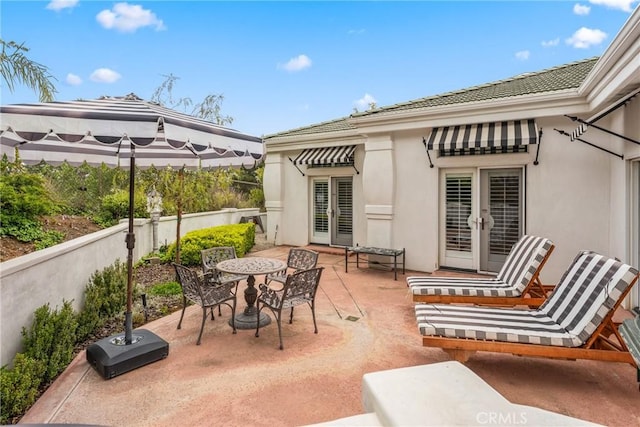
x=577, y=195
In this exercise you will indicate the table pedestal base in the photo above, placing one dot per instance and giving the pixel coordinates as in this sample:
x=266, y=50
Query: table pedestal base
x=246, y=320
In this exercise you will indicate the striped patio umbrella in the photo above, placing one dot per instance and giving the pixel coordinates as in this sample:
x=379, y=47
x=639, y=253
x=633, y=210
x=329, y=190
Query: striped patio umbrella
x=121, y=131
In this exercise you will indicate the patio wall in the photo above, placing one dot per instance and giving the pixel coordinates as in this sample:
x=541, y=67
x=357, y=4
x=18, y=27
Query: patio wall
x=62, y=272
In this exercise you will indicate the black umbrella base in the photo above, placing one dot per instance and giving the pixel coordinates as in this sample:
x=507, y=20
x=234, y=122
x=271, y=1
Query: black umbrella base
x=112, y=357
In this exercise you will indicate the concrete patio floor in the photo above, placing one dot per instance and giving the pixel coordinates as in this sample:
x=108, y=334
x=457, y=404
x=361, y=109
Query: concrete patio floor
x=366, y=323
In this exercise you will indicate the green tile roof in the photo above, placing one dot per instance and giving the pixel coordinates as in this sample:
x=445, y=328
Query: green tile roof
x=568, y=76
x=562, y=77
x=330, y=126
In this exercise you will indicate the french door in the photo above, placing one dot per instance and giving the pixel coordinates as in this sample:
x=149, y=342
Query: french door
x=332, y=211
x=481, y=217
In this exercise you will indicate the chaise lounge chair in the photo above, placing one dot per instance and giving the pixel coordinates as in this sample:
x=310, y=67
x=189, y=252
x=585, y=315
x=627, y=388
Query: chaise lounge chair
x=574, y=323
x=517, y=282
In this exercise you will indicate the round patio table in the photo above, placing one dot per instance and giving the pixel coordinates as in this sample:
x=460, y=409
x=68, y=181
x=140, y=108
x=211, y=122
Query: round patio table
x=251, y=266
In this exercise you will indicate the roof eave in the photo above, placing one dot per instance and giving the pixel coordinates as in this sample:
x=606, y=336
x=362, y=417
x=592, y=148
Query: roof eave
x=512, y=108
x=293, y=142
x=617, y=67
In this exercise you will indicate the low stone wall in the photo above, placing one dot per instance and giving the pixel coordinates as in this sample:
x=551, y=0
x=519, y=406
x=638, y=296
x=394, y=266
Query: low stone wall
x=62, y=272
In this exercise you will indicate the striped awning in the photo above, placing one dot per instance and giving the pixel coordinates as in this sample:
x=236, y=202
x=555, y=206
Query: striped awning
x=326, y=156
x=484, y=135
x=584, y=124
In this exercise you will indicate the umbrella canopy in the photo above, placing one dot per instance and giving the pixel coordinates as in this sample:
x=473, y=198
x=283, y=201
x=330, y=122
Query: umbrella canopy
x=121, y=131
x=104, y=131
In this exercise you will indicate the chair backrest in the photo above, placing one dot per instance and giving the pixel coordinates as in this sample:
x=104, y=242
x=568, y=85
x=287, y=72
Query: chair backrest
x=524, y=260
x=302, y=259
x=189, y=282
x=212, y=256
x=592, y=286
x=302, y=285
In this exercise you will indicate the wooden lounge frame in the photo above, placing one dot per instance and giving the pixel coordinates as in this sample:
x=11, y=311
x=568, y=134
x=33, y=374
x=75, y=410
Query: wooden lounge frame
x=533, y=295
x=605, y=344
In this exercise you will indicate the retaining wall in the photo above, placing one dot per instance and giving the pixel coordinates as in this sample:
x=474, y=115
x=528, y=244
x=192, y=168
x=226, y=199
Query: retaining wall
x=62, y=272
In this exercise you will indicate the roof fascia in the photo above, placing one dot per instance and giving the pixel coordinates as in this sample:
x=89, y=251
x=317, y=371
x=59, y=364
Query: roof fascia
x=617, y=67
x=527, y=106
x=324, y=139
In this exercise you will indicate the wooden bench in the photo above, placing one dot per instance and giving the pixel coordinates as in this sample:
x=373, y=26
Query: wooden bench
x=371, y=250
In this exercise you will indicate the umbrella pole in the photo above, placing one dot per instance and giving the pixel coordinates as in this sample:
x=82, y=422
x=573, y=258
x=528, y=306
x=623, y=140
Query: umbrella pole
x=109, y=356
x=130, y=240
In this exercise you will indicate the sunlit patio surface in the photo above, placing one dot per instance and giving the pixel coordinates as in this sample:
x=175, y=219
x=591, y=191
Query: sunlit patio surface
x=366, y=323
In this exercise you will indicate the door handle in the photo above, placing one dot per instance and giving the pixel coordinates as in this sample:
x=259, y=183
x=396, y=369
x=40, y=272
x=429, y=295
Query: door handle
x=481, y=222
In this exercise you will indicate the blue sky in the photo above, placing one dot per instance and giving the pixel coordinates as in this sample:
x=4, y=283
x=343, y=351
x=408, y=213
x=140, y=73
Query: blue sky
x=284, y=65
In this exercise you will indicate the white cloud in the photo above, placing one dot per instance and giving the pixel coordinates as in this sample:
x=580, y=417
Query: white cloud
x=580, y=9
x=586, y=37
x=298, y=63
x=365, y=102
x=127, y=18
x=58, y=5
x=523, y=55
x=105, y=75
x=624, y=5
x=551, y=43
x=73, y=80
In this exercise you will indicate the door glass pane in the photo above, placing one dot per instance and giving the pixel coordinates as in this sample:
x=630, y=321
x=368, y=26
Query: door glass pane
x=345, y=206
x=504, y=204
x=320, y=206
x=458, y=200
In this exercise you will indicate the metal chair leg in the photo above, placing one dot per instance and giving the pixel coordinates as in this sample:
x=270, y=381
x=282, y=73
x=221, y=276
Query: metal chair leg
x=204, y=318
x=184, y=307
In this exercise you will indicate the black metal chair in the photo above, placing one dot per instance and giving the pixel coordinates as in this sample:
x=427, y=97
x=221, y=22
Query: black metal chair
x=206, y=293
x=212, y=256
x=299, y=288
x=298, y=259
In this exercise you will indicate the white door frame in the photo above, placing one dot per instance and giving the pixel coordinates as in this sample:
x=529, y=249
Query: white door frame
x=328, y=236
x=450, y=257
x=464, y=260
x=522, y=216
x=322, y=236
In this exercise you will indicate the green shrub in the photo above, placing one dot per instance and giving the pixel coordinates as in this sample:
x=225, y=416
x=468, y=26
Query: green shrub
x=165, y=289
x=19, y=386
x=48, y=239
x=23, y=199
x=115, y=206
x=240, y=236
x=51, y=339
x=82, y=188
x=105, y=296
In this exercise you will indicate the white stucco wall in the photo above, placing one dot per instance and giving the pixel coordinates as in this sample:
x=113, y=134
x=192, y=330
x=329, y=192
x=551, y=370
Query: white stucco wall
x=416, y=203
x=61, y=272
x=294, y=226
x=288, y=197
x=568, y=197
x=274, y=194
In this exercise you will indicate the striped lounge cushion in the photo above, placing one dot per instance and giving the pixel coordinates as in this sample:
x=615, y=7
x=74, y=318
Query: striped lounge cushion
x=523, y=261
x=587, y=291
x=585, y=294
x=487, y=323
